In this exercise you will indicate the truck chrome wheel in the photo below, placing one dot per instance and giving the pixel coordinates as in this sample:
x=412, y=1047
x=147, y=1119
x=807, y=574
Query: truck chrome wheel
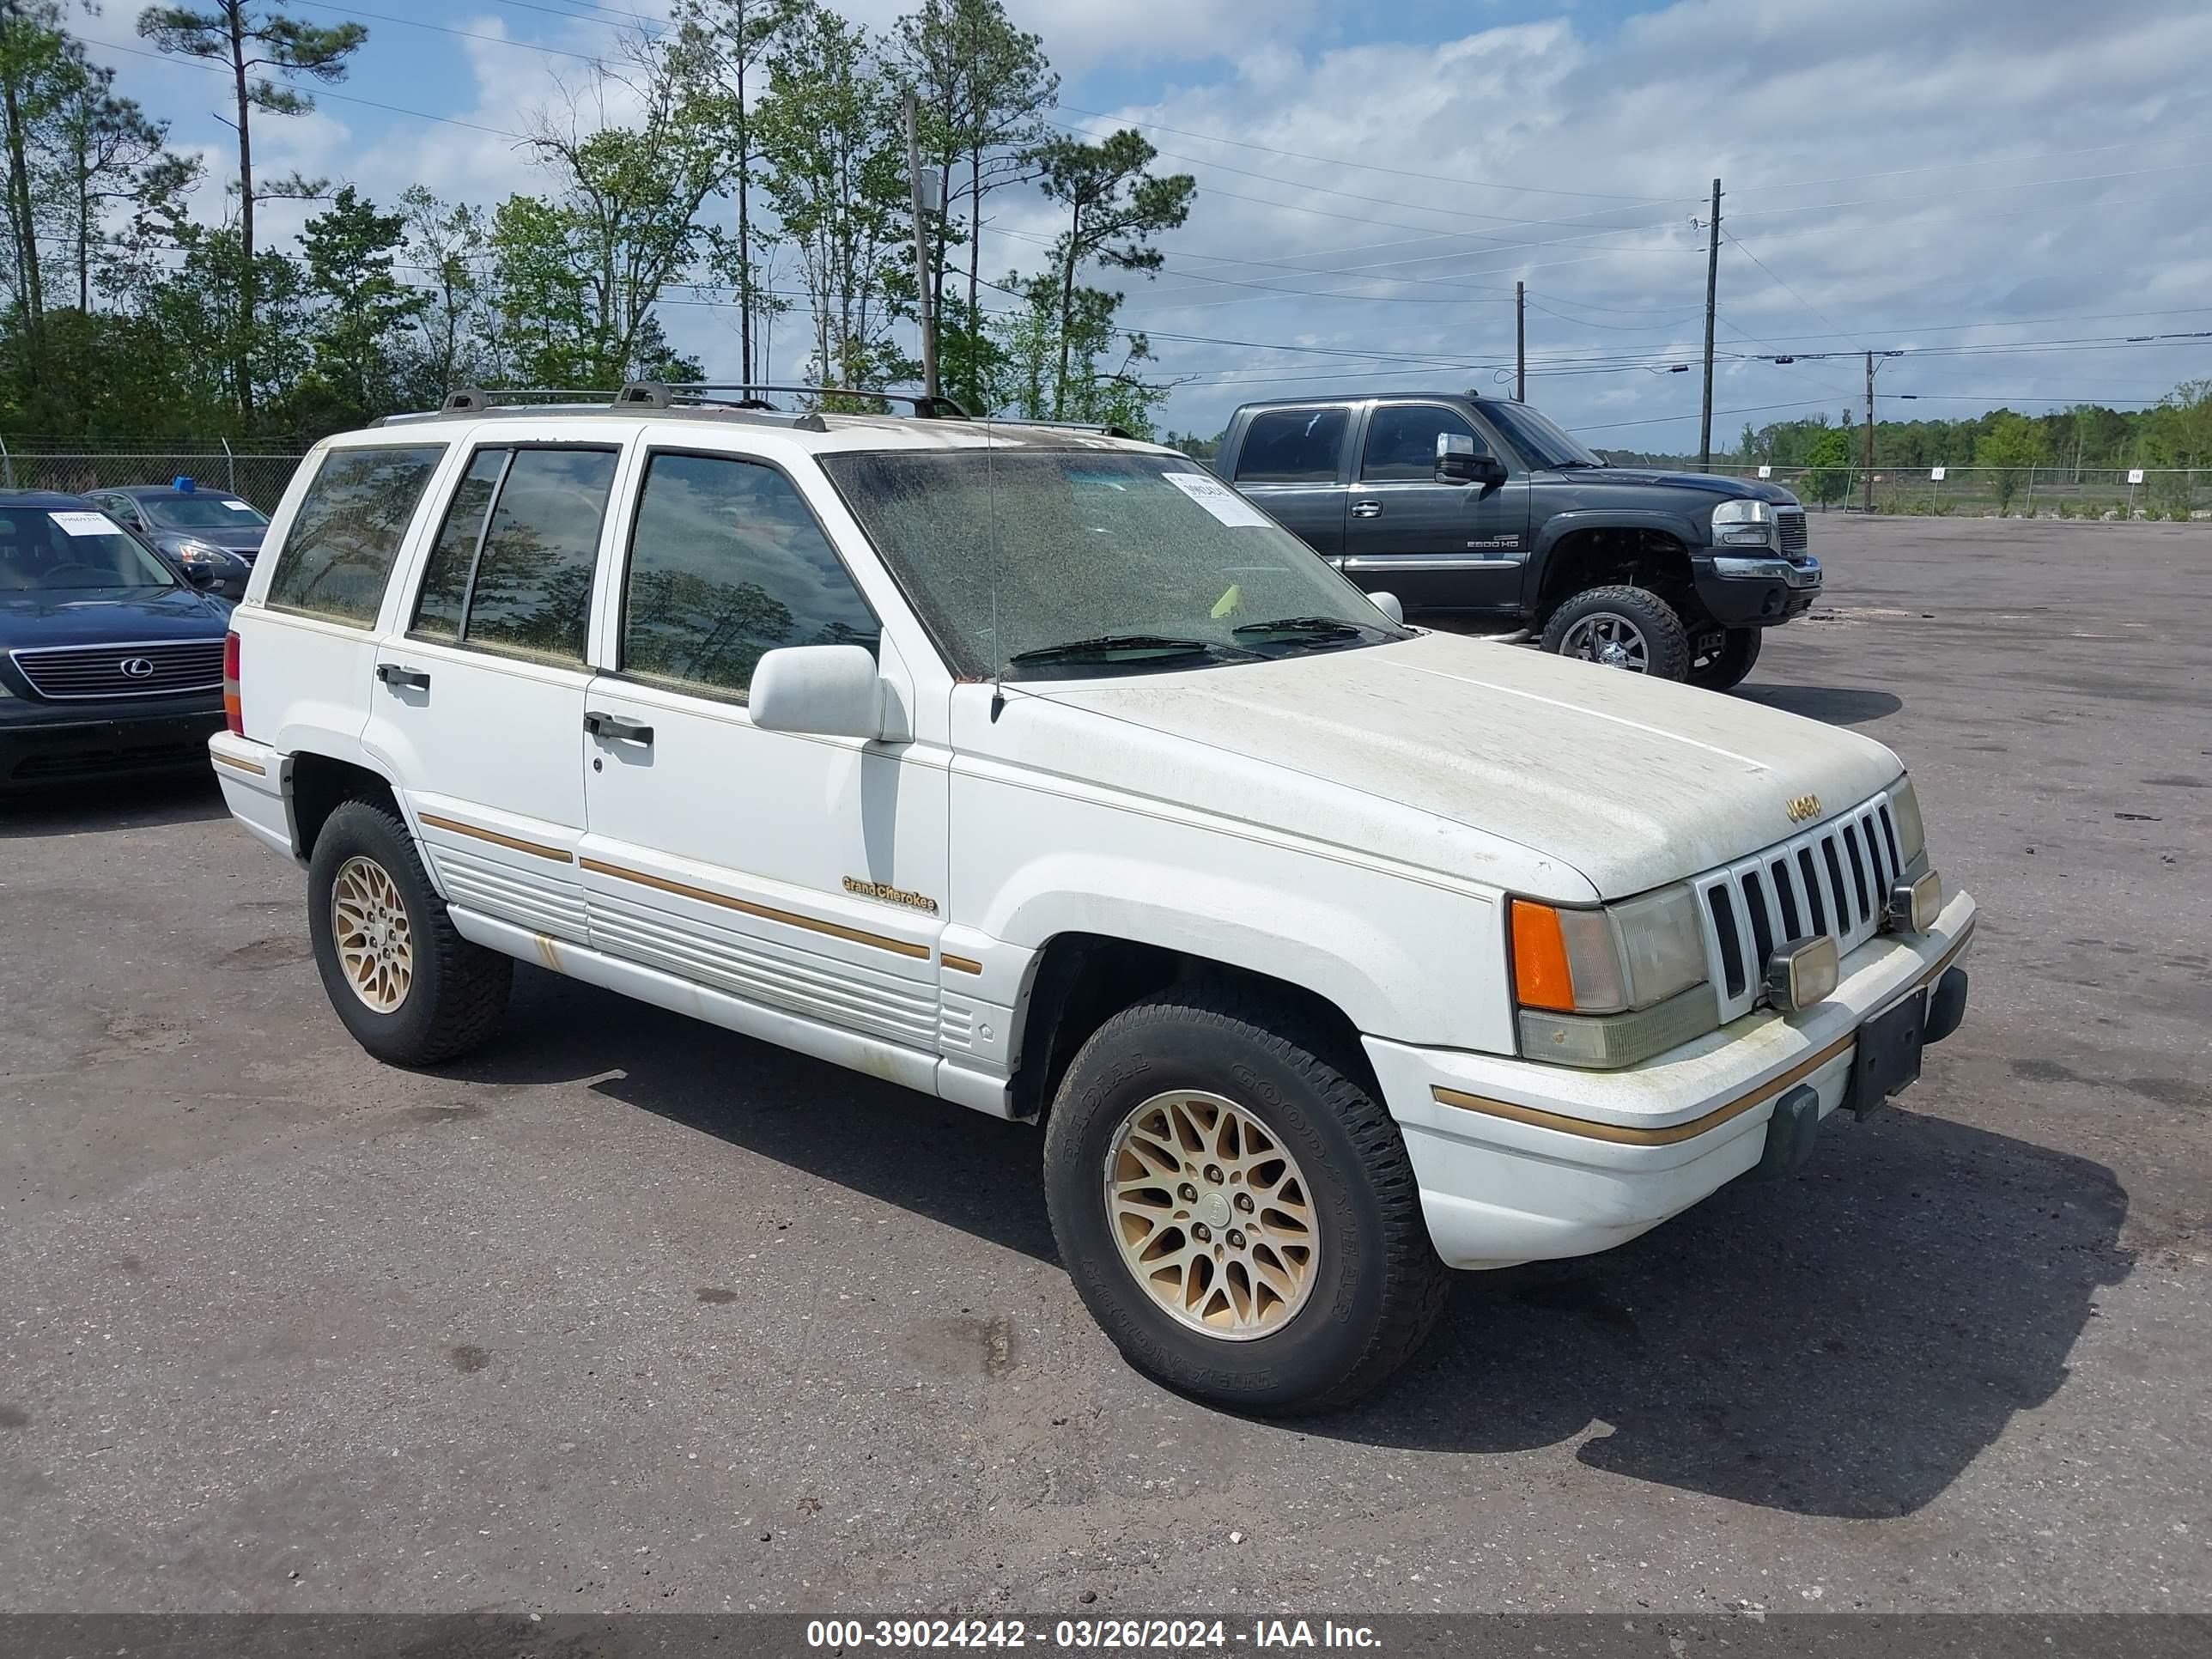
x=1610, y=639
x=368, y=924
x=1212, y=1215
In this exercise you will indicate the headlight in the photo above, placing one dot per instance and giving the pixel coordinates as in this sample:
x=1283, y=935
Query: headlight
x=1911, y=834
x=198, y=552
x=1613, y=985
x=1742, y=524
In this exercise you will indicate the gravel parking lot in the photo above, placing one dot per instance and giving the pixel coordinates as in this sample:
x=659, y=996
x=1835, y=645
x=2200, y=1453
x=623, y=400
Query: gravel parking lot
x=629, y=1313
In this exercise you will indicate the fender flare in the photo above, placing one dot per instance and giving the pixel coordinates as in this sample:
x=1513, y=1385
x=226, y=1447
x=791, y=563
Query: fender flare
x=1560, y=525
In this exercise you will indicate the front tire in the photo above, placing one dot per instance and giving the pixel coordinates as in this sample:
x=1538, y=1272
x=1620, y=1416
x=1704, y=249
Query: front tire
x=1236, y=1210
x=1724, y=668
x=1621, y=627
x=399, y=975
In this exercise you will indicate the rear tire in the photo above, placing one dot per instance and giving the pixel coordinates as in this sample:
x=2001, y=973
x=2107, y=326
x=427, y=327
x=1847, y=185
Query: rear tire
x=399, y=975
x=1284, y=1266
x=1726, y=668
x=1622, y=626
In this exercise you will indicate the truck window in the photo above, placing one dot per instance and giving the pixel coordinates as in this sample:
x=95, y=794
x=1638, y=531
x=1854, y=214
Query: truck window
x=726, y=564
x=514, y=574
x=1401, y=442
x=339, y=551
x=1292, y=445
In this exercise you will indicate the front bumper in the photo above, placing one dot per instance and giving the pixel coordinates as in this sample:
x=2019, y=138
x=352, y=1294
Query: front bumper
x=1521, y=1161
x=1752, y=589
x=48, y=743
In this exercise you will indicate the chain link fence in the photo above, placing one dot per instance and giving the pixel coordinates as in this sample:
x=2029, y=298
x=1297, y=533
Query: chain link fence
x=257, y=473
x=2111, y=494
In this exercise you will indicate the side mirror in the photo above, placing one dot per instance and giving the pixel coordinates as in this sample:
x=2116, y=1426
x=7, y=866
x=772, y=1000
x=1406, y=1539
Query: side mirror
x=200, y=575
x=1389, y=605
x=826, y=691
x=1458, y=464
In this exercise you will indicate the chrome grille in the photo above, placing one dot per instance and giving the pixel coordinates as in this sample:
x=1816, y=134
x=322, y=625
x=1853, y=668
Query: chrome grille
x=165, y=669
x=1789, y=527
x=1833, y=879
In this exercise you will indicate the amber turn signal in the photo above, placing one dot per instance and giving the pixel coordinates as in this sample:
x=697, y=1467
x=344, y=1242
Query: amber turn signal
x=1542, y=977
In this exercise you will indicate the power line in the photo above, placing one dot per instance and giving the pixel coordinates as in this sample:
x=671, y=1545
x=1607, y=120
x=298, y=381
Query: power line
x=464, y=35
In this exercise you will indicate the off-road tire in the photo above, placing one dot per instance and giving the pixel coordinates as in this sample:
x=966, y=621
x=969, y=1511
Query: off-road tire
x=1727, y=667
x=1378, y=1285
x=1667, y=640
x=459, y=990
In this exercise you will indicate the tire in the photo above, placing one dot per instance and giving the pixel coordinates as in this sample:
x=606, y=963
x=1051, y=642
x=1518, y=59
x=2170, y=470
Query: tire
x=1655, y=640
x=1725, y=668
x=1371, y=1286
x=451, y=993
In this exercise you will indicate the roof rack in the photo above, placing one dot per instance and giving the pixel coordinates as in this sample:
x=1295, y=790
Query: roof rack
x=700, y=395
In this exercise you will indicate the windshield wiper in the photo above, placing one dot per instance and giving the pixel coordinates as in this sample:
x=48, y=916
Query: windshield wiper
x=1108, y=646
x=1569, y=465
x=1317, y=629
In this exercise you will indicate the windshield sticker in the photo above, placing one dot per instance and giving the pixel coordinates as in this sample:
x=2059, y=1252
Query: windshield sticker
x=240, y=506
x=1217, y=498
x=86, y=523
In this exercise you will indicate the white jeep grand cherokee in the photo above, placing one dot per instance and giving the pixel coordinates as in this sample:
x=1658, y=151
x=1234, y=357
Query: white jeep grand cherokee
x=1035, y=769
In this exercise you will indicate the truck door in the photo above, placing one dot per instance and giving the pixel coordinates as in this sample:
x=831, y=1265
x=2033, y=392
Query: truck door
x=1438, y=547
x=1291, y=466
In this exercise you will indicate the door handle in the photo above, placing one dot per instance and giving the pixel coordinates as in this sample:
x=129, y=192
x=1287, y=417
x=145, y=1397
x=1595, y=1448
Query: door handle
x=401, y=678
x=1367, y=509
x=617, y=730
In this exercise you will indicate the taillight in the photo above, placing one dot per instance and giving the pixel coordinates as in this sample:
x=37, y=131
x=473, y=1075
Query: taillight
x=234, y=712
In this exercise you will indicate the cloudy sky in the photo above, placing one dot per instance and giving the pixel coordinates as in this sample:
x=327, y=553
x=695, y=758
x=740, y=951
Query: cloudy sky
x=2006, y=193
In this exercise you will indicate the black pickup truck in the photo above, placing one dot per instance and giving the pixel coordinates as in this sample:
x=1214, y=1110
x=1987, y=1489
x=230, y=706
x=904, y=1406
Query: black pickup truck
x=1479, y=513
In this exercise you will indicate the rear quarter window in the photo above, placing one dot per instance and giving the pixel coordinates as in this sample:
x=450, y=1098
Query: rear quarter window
x=1292, y=446
x=339, y=549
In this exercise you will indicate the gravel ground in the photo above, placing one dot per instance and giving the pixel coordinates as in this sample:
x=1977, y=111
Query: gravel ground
x=629, y=1313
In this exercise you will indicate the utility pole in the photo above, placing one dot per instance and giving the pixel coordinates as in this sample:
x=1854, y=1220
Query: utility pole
x=1866, y=489
x=925, y=291
x=1520, y=343
x=1713, y=291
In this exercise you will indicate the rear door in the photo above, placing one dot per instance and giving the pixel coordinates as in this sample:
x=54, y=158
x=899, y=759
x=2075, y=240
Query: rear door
x=1291, y=464
x=478, y=705
x=1438, y=547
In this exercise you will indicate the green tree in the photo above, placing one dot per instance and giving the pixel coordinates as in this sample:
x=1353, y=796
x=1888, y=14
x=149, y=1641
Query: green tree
x=1115, y=207
x=1829, y=456
x=578, y=276
x=105, y=151
x=980, y=85
x=362, y=312
x=836, y=174
x=2012, y=445
x=39, y=66
x=454, y=343
x=246, y=39
x=734, y=39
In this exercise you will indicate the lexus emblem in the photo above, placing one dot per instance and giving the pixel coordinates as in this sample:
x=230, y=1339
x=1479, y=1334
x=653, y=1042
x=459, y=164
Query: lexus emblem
x=137, y=668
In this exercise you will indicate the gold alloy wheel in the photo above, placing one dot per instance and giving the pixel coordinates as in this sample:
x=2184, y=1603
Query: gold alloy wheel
x=368, y=924
x=1212, y=1215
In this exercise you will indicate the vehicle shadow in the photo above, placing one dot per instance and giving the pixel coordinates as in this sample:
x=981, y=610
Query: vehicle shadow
x=116, y=803
x=1838, y=705
x=1842, y=1344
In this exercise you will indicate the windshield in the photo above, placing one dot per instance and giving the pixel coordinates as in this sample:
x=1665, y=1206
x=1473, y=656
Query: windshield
x=1541, y=444
x=1027, y=564
x=199, y=512
x=54, y=550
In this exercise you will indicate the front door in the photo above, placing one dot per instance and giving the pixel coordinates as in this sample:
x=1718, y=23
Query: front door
x=803, y=874
x=1438, y=547
x=478, y=708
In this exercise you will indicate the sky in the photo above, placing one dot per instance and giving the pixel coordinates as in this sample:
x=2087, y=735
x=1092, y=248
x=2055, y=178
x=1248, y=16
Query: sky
x=2008, y=196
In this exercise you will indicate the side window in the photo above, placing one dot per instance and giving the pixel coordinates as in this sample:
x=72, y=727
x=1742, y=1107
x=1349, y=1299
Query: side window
x=1401, y=442
x=339, y=549
x=726, y=564
x=512, y=566
x=1292, y=446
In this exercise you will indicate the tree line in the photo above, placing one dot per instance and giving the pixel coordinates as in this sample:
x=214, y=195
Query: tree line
x=749, y=156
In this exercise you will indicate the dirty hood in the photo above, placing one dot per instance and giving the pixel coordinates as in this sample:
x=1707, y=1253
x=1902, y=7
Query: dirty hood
x=1631, y=782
